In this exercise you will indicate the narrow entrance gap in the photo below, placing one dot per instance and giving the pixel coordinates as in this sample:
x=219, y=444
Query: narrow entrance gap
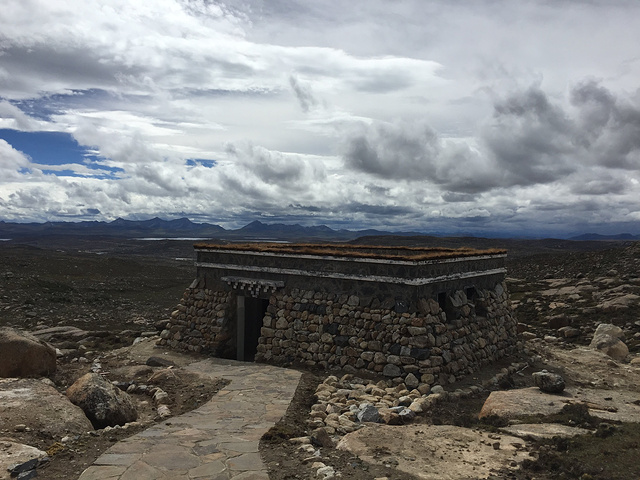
x=442, y=301
x=249, y=329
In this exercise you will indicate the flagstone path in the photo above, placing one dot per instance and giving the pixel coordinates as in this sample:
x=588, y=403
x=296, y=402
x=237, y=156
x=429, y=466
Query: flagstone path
x=218, y=441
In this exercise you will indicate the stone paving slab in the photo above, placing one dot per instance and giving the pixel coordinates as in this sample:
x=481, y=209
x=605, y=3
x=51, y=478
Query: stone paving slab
x=216, y=441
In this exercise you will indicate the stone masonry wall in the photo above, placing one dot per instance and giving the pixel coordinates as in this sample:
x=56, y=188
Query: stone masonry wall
x=429, y=346
x=380, y=336
x=202, y=322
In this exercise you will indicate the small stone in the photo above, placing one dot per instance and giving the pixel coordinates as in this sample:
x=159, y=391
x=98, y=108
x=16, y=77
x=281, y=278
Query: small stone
x=411, y=381
x=163, y=411
x=326, y=472
x=437, y=389
x=159, y=362
x=320, y=438
x=161, y=397
x=548, y=382
x=391, y=370
x=21, y=427
x=368, y=413
x=23, y=467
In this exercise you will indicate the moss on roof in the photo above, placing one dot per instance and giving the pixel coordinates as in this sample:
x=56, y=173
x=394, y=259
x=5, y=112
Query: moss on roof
x=356, y=251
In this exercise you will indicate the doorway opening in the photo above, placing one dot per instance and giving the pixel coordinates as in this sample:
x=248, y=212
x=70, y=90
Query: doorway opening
x=251, y=312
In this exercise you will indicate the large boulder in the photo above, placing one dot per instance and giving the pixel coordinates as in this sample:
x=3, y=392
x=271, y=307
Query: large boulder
x=609, y=339
x=23, y=355
x=435, y=452
x=41, y=407
x=104, y=404
x=605, y=404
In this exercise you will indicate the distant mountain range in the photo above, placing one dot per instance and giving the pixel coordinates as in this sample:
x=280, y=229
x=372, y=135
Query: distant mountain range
x=596, y=236
x=183, y=228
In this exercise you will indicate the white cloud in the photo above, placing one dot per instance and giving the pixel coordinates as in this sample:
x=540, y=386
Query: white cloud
x=12, y=163
x=410, y=113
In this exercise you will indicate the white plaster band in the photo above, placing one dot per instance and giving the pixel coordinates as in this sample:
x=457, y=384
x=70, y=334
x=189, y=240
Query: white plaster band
x=364, y=278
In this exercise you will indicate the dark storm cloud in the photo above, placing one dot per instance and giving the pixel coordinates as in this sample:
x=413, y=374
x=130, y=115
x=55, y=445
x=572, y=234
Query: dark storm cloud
x=33, y=65
x=377, y=190
x=608, y=127
x=537, y=141
x=399, y=152
x=454, y=197
x=414, y=152
x=600, y=183
x=303, y=94
x=531, y=139
x=275, y=168
x=383, y=210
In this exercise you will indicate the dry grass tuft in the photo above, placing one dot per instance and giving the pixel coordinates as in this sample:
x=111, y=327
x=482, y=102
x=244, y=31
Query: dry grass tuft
x=355, y=251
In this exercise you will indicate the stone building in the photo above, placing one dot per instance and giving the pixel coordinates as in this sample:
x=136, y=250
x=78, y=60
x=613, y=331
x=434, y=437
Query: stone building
x=410, y=314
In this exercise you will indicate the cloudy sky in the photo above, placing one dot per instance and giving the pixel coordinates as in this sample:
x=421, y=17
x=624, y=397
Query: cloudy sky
x=474, y=116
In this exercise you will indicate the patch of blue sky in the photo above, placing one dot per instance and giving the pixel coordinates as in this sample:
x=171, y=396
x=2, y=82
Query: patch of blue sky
x=45, y=148
x=59, y=149
x=43, y=108
x=194, y=162
x=62, y=173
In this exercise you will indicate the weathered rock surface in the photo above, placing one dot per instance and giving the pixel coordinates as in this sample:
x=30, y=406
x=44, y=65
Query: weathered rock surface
x=591, y=367
x=609, y=340
x=12, y=454
x=159, y=362
x=40, y=407
x=133, y=371
x=548, y=382
x=605, y=404
x=23, y=355
x=539, y=431
x=435, y=452
x=104, y=404
x=164, y=376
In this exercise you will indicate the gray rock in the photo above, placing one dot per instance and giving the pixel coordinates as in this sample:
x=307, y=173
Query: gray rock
x=411, y=381
x=103, y=403
x=609, y=339
x=368, y=413
x=548, y=382
x=23, y=467
x=609, y=329
x=28, y=475
x=17, y=459
x=437, y=389
x=391, y=370
x=406, y=415
x=569, y=332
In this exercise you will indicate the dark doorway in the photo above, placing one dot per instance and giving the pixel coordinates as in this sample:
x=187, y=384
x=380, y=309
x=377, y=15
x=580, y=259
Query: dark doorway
x=254, y=312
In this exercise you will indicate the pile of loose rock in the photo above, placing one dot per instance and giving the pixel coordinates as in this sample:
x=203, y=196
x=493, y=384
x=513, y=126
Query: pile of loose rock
x=346, y=404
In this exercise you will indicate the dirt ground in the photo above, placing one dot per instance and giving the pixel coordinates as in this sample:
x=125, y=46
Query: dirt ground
x=126, y=287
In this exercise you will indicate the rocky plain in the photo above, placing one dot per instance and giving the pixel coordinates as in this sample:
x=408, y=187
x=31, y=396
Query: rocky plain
x=79, y=321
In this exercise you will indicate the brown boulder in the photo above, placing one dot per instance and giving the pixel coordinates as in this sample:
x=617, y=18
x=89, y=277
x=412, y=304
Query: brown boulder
x=41, y=407
x=23, y=355
x=608, y=339
x=104, y=404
